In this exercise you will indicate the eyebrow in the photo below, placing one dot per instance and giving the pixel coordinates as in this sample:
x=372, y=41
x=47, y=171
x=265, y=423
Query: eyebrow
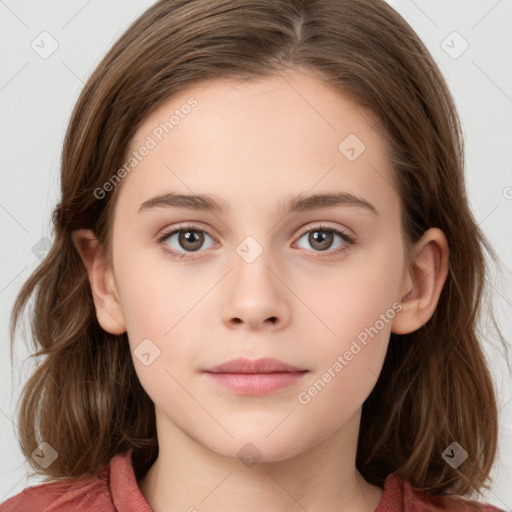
x=299, y=203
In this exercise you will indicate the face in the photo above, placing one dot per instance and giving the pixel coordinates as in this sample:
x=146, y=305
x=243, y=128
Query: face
x=316, y=287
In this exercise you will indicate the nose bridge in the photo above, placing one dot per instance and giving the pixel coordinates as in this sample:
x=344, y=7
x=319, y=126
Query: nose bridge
x=250, y=249
x=254, y=260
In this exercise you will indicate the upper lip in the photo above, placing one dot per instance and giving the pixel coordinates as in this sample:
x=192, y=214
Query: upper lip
x=262, y=365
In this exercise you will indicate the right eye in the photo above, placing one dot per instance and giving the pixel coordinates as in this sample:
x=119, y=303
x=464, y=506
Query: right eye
x=189, y=239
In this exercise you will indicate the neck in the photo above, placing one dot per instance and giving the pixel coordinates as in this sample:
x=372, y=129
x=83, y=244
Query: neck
x=189, y=476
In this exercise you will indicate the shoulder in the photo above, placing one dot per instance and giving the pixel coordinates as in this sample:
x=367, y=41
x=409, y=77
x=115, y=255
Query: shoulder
x=89, y=493
x=114, y=489
x=400, y=496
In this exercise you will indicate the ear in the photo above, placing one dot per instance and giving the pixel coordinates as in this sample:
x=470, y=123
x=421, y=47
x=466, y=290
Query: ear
x=106, y=299
x=423, y=282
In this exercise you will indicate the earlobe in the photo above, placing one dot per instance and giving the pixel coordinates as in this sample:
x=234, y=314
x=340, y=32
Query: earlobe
x=106, y=299
x=423, y=283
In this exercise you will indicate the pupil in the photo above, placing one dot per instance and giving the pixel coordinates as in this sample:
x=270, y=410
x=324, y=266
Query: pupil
x=316, y=238
x=191, y=237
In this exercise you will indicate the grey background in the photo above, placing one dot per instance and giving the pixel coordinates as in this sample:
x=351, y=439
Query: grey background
x=37, y=95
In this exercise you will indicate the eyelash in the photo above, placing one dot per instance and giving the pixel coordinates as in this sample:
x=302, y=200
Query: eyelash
x=349, y=241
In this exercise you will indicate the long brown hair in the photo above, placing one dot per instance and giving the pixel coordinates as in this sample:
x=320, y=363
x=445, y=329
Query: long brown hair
x=84, y=398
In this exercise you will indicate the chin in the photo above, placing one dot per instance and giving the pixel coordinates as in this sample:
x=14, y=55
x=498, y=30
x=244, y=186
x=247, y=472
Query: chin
x=253, y=447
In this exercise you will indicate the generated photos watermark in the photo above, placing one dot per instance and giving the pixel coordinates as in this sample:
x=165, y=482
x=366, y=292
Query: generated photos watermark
x=305, y=397
x=151, y=142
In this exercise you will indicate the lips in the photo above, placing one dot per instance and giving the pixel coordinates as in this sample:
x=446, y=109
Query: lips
x=262, y=365
x=255, y=377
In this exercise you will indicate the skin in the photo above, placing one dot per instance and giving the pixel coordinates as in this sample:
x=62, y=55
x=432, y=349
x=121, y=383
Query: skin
x=253, y=145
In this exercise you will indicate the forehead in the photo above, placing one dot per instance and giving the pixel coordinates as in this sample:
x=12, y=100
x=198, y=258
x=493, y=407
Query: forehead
x=259, y=141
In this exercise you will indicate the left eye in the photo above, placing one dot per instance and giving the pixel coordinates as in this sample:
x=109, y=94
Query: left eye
x=321, y=239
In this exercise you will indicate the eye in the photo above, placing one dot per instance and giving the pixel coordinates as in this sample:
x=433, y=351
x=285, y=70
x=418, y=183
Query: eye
x=321, y=239
x=184, y=238
x=182, y=241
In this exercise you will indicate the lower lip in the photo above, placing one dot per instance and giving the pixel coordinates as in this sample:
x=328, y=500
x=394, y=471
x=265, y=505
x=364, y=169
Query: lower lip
x=254, y=384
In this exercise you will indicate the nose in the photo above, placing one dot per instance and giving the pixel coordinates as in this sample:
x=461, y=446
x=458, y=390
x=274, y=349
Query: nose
x=255, y=296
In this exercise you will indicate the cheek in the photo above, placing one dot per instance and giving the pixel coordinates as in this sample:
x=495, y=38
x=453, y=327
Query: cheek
x=354, y=310
x=348, y=361
x=163, y=333
x=345, y=302
x=164, y=317
x=155, y=294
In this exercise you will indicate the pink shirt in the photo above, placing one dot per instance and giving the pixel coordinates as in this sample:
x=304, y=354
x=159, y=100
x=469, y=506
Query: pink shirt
x=115, y=489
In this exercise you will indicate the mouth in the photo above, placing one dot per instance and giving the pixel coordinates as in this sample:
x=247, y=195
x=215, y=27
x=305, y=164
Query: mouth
x=255, y=377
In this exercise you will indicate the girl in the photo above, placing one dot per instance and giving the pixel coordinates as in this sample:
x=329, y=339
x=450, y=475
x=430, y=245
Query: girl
x=265, y=283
